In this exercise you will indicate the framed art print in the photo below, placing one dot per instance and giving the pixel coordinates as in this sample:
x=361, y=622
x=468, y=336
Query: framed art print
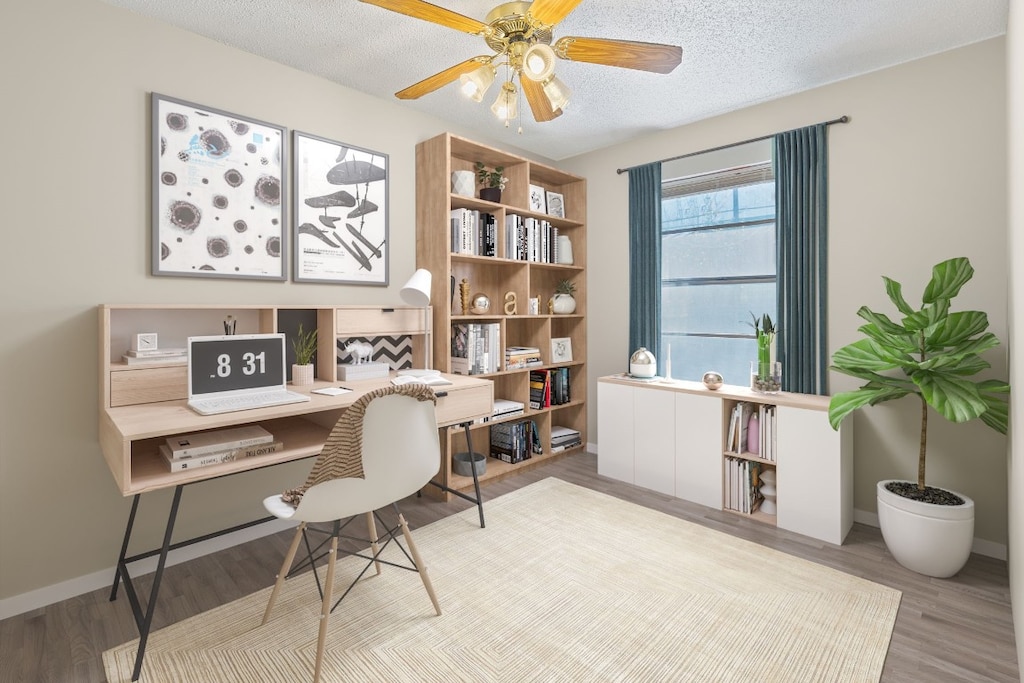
x=556, y=206
x=217, y=204
x=341, y=213
x=561, y=349
x=538, y=202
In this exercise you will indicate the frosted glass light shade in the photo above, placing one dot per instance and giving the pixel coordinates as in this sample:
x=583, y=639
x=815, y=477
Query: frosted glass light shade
x=416, y=291
x=538, y=62
x=475, y=84
x=505, y=107
x=558, y=93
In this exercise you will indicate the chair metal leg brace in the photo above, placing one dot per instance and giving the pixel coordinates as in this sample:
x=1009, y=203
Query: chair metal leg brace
x=476, y=479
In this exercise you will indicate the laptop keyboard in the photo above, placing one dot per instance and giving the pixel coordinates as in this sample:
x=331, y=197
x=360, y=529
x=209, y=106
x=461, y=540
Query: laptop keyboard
x=228, y=404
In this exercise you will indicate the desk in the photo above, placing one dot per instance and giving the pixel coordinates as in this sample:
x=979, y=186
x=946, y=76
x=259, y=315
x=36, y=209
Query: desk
x=130, y=435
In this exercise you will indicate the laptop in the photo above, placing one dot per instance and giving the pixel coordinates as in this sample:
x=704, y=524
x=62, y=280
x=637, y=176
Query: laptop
x=237, y=372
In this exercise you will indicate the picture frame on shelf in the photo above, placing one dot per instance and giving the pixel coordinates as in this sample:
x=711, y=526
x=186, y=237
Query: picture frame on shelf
x=538, y=199
x=340, y=212
x=555, y=204
x=217, y=193
x=561, y=350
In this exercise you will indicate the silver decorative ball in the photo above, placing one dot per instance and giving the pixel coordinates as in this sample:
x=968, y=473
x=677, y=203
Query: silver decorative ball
x=712, y=380
x=643, y=363
x=479, y=303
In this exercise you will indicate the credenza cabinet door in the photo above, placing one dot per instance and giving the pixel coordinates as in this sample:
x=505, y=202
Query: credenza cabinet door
x=616, y=446
x=698, y=467
x=654, y=440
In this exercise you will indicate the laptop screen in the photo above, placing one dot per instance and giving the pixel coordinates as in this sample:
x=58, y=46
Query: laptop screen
x=232, y=362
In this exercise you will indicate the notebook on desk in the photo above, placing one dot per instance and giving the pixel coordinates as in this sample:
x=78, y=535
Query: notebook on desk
x=237, y=372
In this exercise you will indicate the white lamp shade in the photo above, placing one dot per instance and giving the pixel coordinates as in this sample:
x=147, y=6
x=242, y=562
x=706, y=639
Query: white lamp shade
x=416, y=291
x=538, y=62
x=557, y=92
x=475, y=83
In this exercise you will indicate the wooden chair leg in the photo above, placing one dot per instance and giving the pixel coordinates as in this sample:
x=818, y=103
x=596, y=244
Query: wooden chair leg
x=285, y=567
x=419, y=563
x=325, y=609
x=371, y=527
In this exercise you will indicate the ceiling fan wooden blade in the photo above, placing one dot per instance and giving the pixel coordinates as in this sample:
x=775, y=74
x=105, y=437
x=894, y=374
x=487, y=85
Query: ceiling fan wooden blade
x=428, y=12
x=432, y=83
x=628, y=54
x=550, y=12
x=539, y=103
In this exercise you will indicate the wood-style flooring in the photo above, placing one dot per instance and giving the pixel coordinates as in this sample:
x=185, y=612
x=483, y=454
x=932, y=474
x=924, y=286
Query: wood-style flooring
x=957, y=629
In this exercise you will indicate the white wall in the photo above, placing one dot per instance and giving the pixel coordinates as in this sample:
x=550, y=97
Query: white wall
x=76, y=81
x=917, y=176
x=1015, y=256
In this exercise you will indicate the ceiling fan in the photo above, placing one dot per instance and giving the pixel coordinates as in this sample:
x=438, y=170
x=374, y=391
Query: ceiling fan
x=520, y=34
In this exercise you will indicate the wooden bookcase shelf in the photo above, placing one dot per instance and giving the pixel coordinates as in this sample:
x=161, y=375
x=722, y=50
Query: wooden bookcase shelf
x=499, y=276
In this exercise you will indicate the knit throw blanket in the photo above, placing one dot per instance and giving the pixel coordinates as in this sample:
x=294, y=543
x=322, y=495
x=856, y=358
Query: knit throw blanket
x=342, y=454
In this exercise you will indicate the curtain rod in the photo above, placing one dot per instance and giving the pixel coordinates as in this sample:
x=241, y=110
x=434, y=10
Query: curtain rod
x=842, y=119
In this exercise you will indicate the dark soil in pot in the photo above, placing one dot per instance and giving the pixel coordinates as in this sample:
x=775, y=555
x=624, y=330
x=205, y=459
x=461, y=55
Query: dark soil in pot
x=909, y=490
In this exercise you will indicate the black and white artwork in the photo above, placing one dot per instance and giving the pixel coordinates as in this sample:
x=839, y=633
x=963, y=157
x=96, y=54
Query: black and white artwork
x=218, y=191
x=341, y=213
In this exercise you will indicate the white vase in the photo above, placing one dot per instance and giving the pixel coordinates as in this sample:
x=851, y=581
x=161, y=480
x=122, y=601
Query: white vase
x=463, y=183
x=564, y=250
x=934, y=540
x=302, y=375
x=563, y=304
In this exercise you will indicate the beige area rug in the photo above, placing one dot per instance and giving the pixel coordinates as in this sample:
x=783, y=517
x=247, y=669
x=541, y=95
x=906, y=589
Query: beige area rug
x=564, y=584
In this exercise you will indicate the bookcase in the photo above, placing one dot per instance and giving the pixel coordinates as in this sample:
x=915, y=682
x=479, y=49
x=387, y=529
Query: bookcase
x=674, y=437
x=509, y=266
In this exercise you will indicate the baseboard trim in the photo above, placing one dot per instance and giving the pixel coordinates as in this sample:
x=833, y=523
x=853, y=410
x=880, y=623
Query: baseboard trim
x=41, y=597
x=981, y=546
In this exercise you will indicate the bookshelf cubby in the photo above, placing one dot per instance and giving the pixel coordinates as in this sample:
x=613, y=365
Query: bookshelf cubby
x=503, y=277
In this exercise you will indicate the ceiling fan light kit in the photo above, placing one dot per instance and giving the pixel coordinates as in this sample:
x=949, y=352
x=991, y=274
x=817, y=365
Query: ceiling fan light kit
x=520, y=34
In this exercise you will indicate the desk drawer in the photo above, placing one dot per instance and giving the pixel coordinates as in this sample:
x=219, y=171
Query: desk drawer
x=462, y=404
x=363, y=322
x=149, y=385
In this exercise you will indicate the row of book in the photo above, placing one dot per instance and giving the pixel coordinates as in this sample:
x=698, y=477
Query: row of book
x=742, y=481
x=514, y=442
x=202, y=449
x=476, y=348
x=473, y=232
x=549, y=388
x=563, y=438
x=530, y=239
x=518, y=357
x=752, y=430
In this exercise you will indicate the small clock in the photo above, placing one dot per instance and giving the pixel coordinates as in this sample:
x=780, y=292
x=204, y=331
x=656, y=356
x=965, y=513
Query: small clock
x=144, y=341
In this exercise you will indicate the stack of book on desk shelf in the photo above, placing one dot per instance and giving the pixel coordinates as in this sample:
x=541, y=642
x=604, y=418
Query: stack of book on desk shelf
x=563, y=438
x=201, y=449
x=154, y=356
x=353, y=372
x=517, y=357
x=514, y=442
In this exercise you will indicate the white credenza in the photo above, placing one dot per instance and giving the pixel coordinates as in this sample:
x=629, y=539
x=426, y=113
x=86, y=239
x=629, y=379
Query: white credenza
x=671, y=437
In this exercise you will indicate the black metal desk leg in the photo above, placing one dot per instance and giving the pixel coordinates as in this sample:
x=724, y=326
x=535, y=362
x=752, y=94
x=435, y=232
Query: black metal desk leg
x=476, y=478
x=124, y=546
x=155, y=590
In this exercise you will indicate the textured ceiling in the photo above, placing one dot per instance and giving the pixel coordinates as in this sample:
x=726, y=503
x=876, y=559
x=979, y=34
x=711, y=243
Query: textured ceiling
x=735, y=53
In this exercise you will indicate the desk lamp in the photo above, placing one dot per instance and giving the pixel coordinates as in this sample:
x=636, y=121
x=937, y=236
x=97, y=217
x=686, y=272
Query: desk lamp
x=416, y=292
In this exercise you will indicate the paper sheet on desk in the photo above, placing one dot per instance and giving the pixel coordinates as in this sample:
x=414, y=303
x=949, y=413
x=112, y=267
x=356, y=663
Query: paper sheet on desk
x=331, y=391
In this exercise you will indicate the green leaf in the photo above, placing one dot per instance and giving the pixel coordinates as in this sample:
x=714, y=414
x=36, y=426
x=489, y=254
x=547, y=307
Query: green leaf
x=993, y=386
x=873, y=378
x=957, y=327
x=867, y=355
x=844, y=403
x=904, y=342
x=956, y=399
x=927, y=316
x=895, y=292
x=881, y=320
x=998, y=414
x=947, y=279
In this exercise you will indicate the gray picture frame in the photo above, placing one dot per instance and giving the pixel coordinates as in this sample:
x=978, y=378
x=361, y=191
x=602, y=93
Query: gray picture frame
x=340, y=212
x=217, y=193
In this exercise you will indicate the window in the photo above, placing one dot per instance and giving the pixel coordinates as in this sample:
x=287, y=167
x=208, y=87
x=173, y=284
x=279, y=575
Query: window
x=718, y=268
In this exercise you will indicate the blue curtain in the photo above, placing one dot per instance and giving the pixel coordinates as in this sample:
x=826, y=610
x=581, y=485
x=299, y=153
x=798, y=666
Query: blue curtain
x=645, y=257
x=801, y=203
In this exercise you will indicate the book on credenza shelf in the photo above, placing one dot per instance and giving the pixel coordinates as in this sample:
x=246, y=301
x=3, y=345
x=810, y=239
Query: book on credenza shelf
x=154, y=353
x=195, y=462
x=179, y=359
x=205, y=443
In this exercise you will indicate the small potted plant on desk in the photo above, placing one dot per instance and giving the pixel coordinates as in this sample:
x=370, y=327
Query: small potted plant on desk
x=304, y=345
x=493, y=182
x=930, y=353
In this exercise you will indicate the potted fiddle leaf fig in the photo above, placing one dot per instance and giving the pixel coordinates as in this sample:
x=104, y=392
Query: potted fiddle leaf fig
x=931, y=353
x=304, y=346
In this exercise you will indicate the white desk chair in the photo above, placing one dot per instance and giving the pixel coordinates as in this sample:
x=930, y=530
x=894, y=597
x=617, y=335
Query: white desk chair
x=382, y=449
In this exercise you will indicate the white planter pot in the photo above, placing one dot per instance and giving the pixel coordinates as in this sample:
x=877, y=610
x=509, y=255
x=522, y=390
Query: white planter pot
x=464, y=183
x=563, y=304
x=302, y=375
x=934, y=540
